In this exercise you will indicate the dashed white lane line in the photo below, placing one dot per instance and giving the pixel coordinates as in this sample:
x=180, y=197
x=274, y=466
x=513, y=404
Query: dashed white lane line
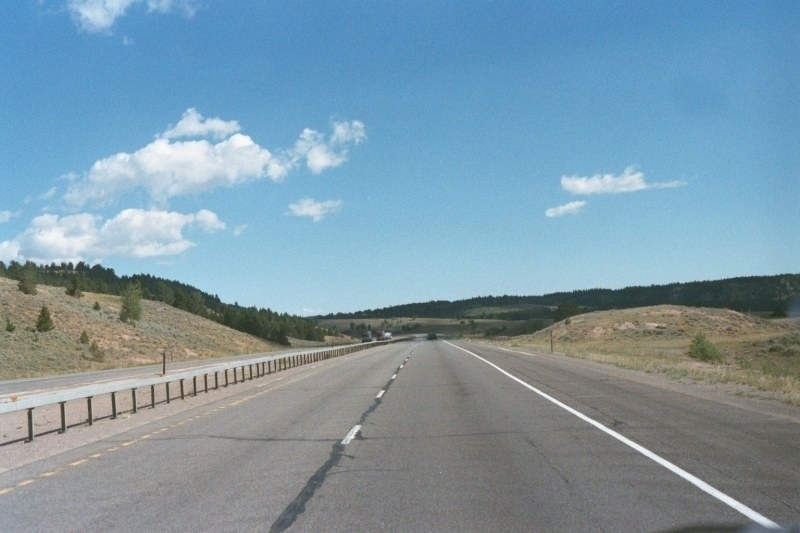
x=380, y=394
x=675, y=469
x=351, y=434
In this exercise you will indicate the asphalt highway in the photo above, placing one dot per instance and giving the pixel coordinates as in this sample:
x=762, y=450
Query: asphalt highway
x=429, y=436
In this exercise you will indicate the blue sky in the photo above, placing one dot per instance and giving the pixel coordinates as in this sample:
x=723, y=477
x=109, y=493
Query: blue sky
x=315, y=157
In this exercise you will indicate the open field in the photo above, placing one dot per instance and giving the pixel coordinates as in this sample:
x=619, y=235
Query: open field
x=761, y=355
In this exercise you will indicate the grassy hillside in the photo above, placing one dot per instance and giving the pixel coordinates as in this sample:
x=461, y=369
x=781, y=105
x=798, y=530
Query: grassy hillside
x=762, y=354
x=162, y=329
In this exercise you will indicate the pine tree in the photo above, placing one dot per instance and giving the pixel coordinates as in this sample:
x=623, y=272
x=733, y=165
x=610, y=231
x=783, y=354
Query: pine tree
x=27, y=278
x=131, y=310
x=44, y=322
x=74, y=288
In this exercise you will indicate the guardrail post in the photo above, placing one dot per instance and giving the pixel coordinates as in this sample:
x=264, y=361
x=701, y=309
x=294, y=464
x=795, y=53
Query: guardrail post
x=30, y=424
x=194, y=385
x=152, y=396
x=251, y=371
x=205, y=382
x=216, y=379
x=63, y=408
x=89, y=410
x=167, y=383
x=113, y=405
x=182, y=389
x=133, y=398
x=226, y=377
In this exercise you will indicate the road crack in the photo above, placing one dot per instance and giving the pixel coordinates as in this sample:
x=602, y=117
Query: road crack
x=298, y=505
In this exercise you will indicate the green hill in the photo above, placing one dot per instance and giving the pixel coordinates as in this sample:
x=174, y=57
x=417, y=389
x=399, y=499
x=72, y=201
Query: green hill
x=765, y=295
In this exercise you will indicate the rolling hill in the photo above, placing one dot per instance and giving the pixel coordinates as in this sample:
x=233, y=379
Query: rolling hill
x=24, y=352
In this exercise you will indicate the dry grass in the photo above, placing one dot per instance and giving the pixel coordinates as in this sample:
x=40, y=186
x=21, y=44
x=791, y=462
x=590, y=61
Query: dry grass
x=759, y=355
x=162, y=330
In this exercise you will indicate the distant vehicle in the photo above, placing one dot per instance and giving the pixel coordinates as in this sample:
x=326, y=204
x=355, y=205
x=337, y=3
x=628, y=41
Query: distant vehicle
x=431, y=336
x=366, y=336
x=387, y=335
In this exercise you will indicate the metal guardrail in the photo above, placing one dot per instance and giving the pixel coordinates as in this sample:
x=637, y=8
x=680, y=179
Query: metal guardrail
x=222, y=373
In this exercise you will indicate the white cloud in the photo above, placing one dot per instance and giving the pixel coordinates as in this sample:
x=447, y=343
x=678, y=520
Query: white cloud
x=131, y=233
x=99, y=16
x=49, y=193
x=187, y=7
x=192, y=124
x=307, y=207
x=631, y=180
x=9, y=251
x=6, y=216
x=167, y=169
x=571, y=208
x=321, y=154
x=174, y=166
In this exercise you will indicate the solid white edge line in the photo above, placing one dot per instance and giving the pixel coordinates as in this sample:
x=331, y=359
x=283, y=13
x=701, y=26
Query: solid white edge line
x=351, y=434
x=675, y=469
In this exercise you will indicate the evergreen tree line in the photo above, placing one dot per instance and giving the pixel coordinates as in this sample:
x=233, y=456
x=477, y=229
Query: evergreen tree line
x=778, y=295
x=80, y=277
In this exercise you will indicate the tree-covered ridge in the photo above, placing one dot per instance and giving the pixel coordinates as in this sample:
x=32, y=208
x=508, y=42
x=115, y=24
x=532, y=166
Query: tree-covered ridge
x=778, y=294
x=76, y=278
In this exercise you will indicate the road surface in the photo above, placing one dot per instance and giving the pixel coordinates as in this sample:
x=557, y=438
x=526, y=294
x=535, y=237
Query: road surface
x=429, y=436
